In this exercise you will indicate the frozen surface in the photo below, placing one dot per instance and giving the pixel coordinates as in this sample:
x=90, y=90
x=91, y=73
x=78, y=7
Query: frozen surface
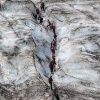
x=25, y=46
x=78, y=46
x=16, y=45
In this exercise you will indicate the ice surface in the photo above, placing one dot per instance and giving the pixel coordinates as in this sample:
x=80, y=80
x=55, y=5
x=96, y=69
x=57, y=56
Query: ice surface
x=77, y=46
x=25, y=45
x=16, y=52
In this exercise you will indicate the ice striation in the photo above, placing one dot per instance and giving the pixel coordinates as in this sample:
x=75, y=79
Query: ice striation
x=25, y=50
